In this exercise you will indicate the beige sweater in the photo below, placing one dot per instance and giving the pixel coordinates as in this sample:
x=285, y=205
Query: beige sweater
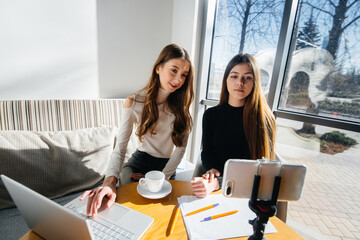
x=157, y=145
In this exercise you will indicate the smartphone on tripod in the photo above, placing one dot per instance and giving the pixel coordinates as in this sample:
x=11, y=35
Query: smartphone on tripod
x=239, y=177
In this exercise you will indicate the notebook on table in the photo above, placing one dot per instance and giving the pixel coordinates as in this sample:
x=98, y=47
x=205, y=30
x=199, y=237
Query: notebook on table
x=53, y=221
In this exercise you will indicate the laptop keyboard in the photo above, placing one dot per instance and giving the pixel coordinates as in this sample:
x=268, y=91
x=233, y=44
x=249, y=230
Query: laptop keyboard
x=101, y=231
x=104, y=232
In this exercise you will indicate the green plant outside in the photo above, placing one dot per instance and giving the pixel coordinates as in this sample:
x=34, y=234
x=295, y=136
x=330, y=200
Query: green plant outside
x=340, y=107
x=338, y=137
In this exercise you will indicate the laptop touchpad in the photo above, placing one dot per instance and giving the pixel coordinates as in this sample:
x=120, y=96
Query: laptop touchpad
x=114, y=213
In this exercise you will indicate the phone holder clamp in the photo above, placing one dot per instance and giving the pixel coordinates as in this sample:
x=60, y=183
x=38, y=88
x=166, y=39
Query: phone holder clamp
x=262, y=209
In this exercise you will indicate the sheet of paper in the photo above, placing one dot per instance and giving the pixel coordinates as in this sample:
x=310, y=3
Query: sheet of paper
x=235, y=225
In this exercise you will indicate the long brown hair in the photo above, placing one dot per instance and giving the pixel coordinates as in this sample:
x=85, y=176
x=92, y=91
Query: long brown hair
x=259, y=121
x=178, y=102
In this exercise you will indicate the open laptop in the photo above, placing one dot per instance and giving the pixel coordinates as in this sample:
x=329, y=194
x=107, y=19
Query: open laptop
x=53, y=221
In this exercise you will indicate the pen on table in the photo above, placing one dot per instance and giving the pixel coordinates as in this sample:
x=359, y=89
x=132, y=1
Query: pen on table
x=174, y=219
x=219, y=215
x=202, y=209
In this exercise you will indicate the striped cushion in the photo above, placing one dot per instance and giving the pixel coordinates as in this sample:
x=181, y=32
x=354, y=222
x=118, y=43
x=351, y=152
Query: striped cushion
x=59, y=115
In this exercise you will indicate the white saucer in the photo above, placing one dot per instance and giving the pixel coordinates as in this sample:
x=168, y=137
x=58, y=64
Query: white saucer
x=165, y=190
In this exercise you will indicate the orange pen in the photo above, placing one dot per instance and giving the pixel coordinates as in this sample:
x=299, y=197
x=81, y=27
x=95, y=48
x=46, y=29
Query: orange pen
x=202, y=209
x=219, y=215
x=174, y=219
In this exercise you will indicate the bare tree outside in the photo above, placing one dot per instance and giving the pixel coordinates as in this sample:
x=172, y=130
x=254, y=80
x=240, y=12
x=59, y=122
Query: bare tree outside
x=331, y=27
x=243, y=26
x=340, y=20
x=254, y=20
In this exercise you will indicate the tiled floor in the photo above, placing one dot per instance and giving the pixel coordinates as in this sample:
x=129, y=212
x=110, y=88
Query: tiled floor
x=330, y=202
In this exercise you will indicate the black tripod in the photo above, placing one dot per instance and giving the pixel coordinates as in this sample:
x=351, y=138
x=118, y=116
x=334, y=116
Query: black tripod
x=263, y=209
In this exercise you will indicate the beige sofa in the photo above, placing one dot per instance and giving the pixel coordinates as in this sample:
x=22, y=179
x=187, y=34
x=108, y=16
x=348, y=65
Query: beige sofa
x=55, y=147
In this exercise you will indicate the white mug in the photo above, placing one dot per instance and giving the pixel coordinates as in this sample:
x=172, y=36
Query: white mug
x=153, y=181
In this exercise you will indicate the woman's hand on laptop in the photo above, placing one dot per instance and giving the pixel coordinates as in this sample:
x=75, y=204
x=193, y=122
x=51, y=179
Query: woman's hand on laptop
x=96, y=196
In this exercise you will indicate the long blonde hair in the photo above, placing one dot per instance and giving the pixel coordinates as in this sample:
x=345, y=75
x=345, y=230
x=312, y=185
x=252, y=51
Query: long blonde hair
x=178, y=102
x=259, y=121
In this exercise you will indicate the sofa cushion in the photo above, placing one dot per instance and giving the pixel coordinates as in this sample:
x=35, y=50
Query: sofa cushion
x=55, y=163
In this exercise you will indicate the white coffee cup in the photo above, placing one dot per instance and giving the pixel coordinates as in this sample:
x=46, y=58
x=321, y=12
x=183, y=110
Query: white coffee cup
x=153, y=181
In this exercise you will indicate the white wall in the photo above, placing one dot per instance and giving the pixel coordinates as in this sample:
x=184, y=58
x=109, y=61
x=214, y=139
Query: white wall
x=184, y=25
x=48, y=49
x=87, y=49
x=131, y=34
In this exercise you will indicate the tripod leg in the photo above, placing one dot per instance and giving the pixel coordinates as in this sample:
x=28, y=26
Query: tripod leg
x=258, y=228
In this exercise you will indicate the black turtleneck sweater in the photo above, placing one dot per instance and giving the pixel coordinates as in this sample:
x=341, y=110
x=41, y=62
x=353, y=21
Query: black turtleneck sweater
x=223, y=137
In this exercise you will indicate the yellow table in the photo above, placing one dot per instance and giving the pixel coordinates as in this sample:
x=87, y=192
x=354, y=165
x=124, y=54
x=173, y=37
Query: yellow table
x=163, y=209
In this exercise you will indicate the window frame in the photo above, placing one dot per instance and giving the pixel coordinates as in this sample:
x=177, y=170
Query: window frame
x=282, y=54
x=281, y=59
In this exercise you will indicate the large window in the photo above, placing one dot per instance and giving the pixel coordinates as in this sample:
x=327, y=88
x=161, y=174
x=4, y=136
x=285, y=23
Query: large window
x=309, y=56
x=251, y=26
x=323, y=71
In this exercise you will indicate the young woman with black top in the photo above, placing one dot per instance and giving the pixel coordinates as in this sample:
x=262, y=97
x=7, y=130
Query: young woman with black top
x=241, y=126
